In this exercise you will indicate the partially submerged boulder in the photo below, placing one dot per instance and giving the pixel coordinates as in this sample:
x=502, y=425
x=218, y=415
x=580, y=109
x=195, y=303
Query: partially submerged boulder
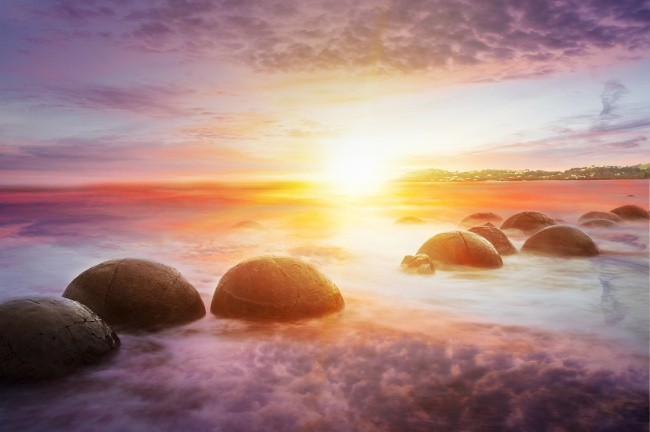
x=481, y=218
x=598, y=223
x=275, y=288
x=612, y=217
x=50, y=337
x=461, y=248
x=560, y=240
x=419, y=264
x=247, y=225
x=135, y=294
x=528, y=222
x=499, y=240
x=631, y=212
x=410, y=220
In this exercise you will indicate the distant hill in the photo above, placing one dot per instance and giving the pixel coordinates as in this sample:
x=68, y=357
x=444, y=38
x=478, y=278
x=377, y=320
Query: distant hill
x=583, y=173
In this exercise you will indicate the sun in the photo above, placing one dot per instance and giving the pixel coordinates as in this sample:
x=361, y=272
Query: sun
x=354, y=168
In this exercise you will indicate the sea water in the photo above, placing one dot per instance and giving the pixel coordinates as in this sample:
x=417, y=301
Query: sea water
x=540, y=344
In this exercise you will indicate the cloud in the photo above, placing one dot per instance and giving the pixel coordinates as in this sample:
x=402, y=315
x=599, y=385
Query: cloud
x=613, y=91
x=391, y=36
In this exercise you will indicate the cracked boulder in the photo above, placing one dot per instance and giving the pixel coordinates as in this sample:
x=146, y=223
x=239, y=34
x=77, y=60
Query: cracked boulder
x=560, y=240
x=275, y=288
x=134, y=294
x=499, y=240
x=50, y=337
x=631, y=212
x=461, y=248
x=418, y=264
x=528, y=222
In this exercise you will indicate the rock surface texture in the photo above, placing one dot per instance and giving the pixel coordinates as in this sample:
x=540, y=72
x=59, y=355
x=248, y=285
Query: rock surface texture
x=560, y=240
x=461, y=248
x=528, y=222
x=134, y=294
x=631, y=212
x=499, y=240
x=50, y=337
x=275, y=288
x=418, y=264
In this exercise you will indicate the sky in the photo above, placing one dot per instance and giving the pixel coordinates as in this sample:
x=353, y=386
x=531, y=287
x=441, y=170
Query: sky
x=249, y=90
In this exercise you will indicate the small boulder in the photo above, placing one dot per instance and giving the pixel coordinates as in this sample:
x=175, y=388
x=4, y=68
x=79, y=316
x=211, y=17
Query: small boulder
x=135, y=294
x=499, y=240
x=598, y=223
x=631, y=212
x=528, y=222
x=410, y=220
x=613, y=217
x=461, y=248
x=248, y=225
x=481, y=218
x=275, y=288
x=560, y=240
x=419, y=264
x=50, y=337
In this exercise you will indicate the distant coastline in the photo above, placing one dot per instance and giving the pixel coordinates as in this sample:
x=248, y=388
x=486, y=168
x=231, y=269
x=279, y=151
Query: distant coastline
x=641, y=171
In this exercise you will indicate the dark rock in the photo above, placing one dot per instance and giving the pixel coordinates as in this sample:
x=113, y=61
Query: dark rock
x=134, y=294
x=560, y=240
x=412, y=220
x=598, y=223
x=528, y=222
x=480, y=218
x=275, y=288
x=461, y=248
x=495, y=236
x=631, y=212
x=613, y=217
x=420, y=264
x=50, y=337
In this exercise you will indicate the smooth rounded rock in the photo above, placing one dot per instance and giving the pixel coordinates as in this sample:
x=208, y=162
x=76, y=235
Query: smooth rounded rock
x=461, y=248
x=418, y=264
x=598, y=223
x=612, y=217
x=631, y=212
x=410, y=220
x=499, y=240
x=275, y=288
x=560, y=240
x=528, y=222
x=135, y=294
x=44, y=337
x=481, y=218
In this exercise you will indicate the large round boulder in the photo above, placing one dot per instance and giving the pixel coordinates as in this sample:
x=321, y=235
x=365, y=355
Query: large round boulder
x=631, y=212
x=275, y=288
x=499, y=240
x=461, y=248
x=481, y=218
x=135, y=294
x=598, y=223
x=528, y=222
x=50, y=337
x=613, y=217
x=560, y=240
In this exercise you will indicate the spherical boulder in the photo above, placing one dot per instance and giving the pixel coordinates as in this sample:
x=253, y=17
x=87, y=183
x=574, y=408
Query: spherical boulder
x=481, y=218
x=461, y=248
x=598, y=223
x=50, y=337
x=613, y=217
x=560, y=240
x=528, y=222
x=275, y=288
x=135, y=294
x=631, y=212
x=499, y=240
x=419, y=264
x=410, y=220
